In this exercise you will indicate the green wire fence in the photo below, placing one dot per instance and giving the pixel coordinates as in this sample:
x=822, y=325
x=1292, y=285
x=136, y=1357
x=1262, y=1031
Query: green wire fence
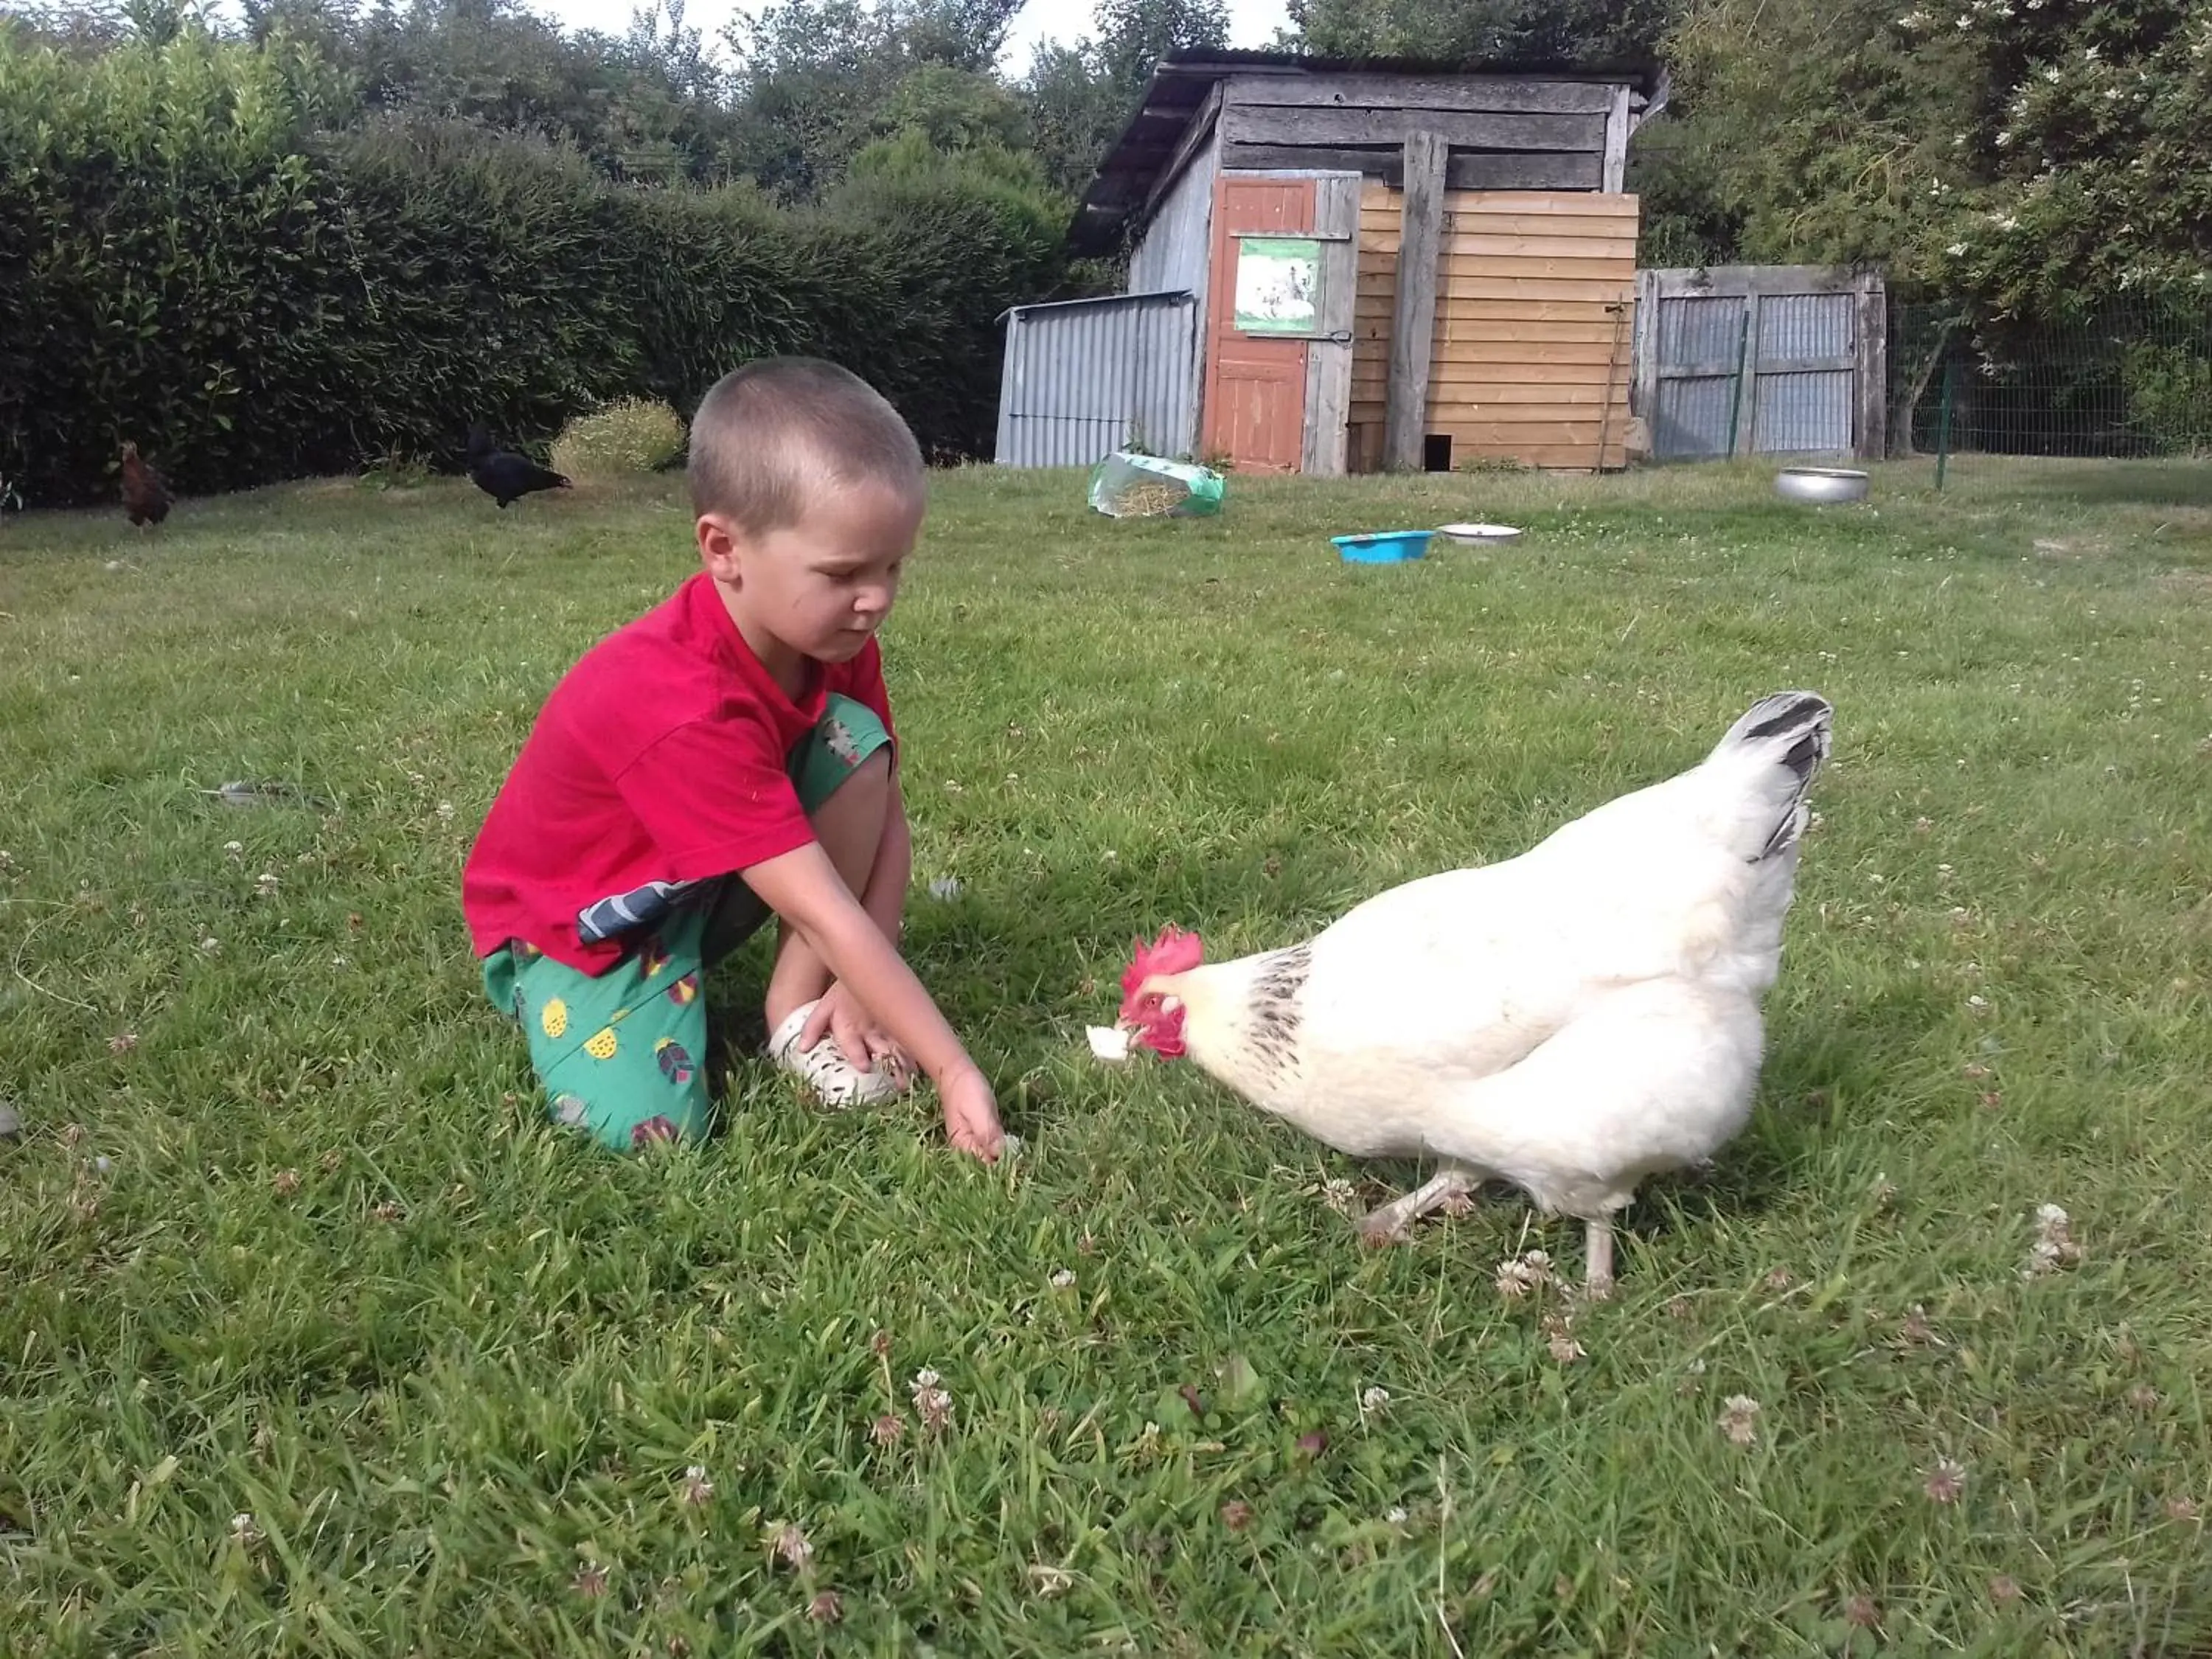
x=2130, y=378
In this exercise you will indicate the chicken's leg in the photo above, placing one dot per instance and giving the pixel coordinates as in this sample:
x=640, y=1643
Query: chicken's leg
x=1386, y=1224
x=1597, y=1258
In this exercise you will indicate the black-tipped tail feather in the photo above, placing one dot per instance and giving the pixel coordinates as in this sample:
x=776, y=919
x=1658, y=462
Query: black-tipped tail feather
x=1793, y=730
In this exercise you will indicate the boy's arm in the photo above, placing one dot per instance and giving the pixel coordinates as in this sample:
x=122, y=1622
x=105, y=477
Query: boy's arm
x=893, y=870
x=890, y=873
x=803, y=888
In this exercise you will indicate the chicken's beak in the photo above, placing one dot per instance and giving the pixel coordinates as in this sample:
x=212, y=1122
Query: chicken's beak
x=1135, y=1027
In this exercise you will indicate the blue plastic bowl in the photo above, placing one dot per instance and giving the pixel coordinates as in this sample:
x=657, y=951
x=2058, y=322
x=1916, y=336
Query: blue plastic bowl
x=1383, y=546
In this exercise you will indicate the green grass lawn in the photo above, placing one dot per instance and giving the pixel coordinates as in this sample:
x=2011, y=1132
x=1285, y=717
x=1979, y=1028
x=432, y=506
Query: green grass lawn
x=315, y=1340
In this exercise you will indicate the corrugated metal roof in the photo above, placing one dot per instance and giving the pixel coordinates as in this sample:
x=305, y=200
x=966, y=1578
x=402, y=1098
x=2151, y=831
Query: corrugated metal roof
x=1094, y=300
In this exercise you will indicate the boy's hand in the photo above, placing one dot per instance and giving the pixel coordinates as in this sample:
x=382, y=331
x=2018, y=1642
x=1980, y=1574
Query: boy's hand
x=863, y=1041
x=803, y=888
x=971, y=1115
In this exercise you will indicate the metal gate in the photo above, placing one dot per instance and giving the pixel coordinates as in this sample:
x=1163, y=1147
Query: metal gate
x=1760, y=359
x=1084, y=377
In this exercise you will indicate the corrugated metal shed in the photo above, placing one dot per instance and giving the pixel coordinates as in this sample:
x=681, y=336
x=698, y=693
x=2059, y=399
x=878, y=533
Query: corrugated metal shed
x=1084, y=377
x=1789, y=359
x=1805, y=408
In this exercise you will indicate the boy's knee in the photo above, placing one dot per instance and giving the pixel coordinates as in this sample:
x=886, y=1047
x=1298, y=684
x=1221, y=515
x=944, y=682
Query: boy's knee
x=869, y=781
x=875, y=772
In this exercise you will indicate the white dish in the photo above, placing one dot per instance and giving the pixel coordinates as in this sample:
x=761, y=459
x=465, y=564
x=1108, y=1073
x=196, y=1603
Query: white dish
x=1479, y=533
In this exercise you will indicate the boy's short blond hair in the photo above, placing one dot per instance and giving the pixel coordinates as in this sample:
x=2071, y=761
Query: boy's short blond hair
x=769, y=435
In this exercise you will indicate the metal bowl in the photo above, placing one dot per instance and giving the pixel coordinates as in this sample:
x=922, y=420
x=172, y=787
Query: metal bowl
x=1820, y=484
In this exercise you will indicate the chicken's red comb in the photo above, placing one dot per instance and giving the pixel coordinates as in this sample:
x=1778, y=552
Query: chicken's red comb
x=1173, y=952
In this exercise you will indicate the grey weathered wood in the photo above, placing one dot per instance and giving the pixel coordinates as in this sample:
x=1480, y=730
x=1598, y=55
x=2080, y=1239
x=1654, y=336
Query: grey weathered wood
x=1412, y=324
x=1328, y=359
x=1477, y=170
x=1500, y=170
x=1455, y=92
x=1197, y=136
x=1175, y=251
x=1176, y=247
x=1463, y=130
x=1873, y=334
x=1643, y=385
x=1617, y=129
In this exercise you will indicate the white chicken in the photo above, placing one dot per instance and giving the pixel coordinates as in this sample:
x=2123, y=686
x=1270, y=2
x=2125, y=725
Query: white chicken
x=1570, y=1021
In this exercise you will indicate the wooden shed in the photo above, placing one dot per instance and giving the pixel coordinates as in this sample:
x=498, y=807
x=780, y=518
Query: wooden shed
x=1390, y=264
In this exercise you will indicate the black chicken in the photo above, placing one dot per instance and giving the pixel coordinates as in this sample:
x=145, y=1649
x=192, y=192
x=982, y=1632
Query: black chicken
x=145, y=495
x=503, y=475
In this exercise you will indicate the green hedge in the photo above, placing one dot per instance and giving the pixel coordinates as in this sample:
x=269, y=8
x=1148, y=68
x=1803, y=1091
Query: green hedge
x=195, y=252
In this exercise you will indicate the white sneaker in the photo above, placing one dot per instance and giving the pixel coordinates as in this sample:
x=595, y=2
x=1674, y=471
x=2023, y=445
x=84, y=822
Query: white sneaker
x=824, y=1066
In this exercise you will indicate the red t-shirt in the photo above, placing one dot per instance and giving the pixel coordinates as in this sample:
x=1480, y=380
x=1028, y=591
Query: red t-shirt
x=659, y=761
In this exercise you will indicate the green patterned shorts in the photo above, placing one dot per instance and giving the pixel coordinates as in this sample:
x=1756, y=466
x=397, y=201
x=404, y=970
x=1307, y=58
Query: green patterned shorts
x=622, y=1053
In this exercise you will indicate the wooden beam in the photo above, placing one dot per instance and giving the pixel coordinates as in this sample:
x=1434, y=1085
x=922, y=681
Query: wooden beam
x=1872, y=321
x=1328, y=360
x=1644, y=384
x=1412, y=324
x=1269, y=125
x=1617, y=129
x=1469, y=170
x=1500, y=94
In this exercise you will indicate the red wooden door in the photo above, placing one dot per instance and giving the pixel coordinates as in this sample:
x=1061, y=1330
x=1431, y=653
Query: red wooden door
x=1254, y=406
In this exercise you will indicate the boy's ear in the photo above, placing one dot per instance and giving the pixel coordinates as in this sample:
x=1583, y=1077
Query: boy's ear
x=718, y=546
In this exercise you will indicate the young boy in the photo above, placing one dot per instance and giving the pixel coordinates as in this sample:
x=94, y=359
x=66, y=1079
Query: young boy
x=726, y=757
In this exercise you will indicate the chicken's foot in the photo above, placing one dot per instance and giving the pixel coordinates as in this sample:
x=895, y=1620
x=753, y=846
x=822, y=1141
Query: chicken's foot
x=1386, y=1224
x=1597, y=1259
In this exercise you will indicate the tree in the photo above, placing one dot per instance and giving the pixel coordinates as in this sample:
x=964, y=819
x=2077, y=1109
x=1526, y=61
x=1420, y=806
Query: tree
x=2027, y=155
x=1080, y=97
x=952, y=110
x=1135, y=34
x=1482, y=32
x=816, y=78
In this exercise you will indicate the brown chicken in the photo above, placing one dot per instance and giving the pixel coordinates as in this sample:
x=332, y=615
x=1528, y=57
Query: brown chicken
x=145, y=497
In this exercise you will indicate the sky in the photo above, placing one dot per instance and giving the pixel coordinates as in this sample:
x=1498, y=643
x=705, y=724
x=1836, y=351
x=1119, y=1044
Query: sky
x=1251, y=22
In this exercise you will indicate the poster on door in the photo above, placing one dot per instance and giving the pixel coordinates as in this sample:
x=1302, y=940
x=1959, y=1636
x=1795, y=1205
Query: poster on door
x=1278, y=285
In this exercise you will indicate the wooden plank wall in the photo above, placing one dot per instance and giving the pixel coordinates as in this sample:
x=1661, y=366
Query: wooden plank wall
x=1503, y=131
x=1528, y=361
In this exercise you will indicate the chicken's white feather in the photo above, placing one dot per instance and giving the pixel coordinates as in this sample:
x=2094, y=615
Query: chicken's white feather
x=1572, y=1019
